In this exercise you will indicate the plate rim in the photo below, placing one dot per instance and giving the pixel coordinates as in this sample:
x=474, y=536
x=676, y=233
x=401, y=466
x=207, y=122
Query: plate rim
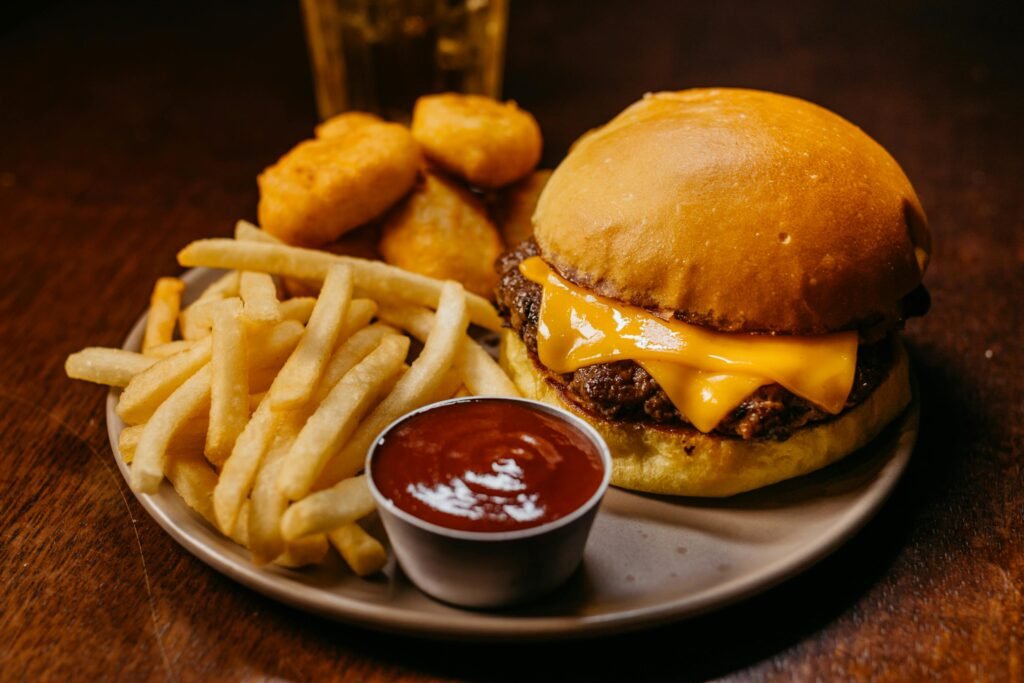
x=277, y=583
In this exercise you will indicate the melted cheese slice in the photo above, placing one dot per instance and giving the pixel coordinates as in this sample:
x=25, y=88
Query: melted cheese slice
x=705, y=373
x=703, y=397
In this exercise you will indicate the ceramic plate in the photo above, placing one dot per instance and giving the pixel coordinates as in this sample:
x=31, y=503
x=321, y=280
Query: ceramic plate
x=650, y=559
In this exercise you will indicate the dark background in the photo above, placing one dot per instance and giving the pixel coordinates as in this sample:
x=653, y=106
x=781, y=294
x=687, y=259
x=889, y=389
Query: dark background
x=129, y=129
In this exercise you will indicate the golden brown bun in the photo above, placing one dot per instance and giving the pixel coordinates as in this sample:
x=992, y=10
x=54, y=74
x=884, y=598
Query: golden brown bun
x=686, y=462
x=740, y=210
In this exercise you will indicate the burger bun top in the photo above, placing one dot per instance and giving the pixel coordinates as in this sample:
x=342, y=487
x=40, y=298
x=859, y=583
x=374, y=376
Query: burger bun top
x=739, y=210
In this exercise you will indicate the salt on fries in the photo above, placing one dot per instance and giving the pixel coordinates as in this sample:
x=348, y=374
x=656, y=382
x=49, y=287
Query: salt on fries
x=261, y=415
x=113, y=367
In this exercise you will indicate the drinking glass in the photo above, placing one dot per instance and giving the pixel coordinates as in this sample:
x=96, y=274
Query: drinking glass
x=380, y=55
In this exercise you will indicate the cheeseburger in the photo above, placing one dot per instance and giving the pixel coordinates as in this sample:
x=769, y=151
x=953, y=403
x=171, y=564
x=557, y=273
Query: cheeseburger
x=716, y=282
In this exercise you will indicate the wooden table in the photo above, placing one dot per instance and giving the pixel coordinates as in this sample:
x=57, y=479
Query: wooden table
x=128, y=130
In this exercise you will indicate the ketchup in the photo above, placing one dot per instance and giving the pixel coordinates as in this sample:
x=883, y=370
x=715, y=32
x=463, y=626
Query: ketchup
x=487, y=465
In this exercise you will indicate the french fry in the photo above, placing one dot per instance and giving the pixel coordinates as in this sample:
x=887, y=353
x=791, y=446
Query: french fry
x=147, y=468
x=224, y=287
x=271, y=347
x=446, y=388
x=229, y=381
x=363, y=553
x=301, y=372
x=259, y=298
x=169, y=349
x=377, y=279
x=481, y=374
x=260, y=379
x=128, y=441
x=194, y=480
x=267, y=503
x=196, y=320
x=265, y=257
x=255, y=399
x=416, y=320
x=164, y=305
x=189, y=438
x=239, y=470
x=299, y=308
x=320, y=512
x=304, y=552
x=194, y=323
x=349, y=353
x=240, y=534
x=284, y=398
x=147, y=390
x=416, y=388
x=113, y=367
x=247, y=232
x=337, y=416
x=267, y=353
x=360, y=313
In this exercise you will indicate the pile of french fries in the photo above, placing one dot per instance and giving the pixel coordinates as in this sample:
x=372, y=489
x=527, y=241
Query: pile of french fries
x=261, y=415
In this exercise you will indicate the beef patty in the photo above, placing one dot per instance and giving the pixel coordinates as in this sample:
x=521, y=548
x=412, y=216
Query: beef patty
x=622, y=390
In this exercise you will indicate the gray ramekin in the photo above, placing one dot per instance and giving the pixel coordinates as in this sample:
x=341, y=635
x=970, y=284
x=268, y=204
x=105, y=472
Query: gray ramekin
x=490, y=569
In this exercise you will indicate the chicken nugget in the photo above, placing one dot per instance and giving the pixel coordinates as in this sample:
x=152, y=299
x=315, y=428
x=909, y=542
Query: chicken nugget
x=325, y=187
x=361, y=243
x=515, y=206
x=342, y=124
x=443, y=231
x=488, y=143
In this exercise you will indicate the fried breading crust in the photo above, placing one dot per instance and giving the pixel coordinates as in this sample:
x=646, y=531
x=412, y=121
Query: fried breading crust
x=515, y=207
x=443, y=231
x=488, y=143
x=323, y=188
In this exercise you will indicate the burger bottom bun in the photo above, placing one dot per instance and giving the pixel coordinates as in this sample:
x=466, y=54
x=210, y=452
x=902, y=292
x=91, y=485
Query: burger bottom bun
x=686, y=462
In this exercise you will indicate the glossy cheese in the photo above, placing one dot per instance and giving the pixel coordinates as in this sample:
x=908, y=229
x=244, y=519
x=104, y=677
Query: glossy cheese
x=705, y=373
x=703, y=397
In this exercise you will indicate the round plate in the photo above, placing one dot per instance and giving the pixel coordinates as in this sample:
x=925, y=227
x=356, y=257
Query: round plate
x=650, y=559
